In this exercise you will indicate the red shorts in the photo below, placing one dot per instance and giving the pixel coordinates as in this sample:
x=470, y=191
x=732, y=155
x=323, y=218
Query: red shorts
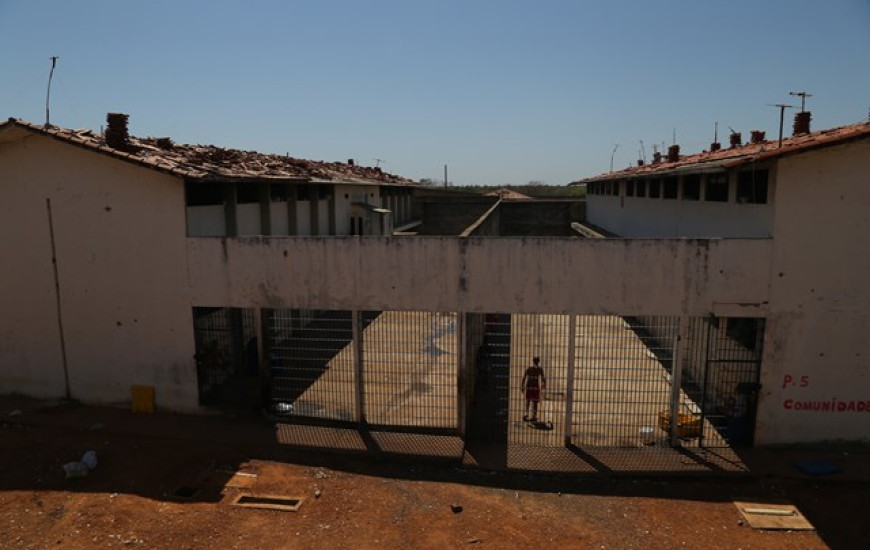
x=533, y=394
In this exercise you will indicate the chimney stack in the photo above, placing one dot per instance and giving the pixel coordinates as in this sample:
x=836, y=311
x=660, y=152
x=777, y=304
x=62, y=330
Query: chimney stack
x=674, y=153
x=757, y=136
x=736, y=139
x=350, y=162
x=117, y=136
x=715, y=146
x=640, y=162
x=657, y=157
x=802, y=123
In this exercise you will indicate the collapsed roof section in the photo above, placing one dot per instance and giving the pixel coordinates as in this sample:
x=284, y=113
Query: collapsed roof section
x=209, y=162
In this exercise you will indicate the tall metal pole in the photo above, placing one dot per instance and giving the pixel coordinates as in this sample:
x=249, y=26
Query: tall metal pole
x=445, y=175
x=54, y=59
x=615, y=147
x=782, y=108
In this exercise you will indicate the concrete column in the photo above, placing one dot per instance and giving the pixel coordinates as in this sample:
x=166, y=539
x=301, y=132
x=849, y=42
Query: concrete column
x=331, y=211
x=292, y=221
x=314, y=203
x=265, y=191
x=230, y=206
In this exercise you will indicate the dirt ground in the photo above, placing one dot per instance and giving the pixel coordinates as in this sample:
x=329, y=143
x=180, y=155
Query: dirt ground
x=154, y=489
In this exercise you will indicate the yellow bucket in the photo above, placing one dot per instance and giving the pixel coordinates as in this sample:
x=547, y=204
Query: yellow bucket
x=142, y=399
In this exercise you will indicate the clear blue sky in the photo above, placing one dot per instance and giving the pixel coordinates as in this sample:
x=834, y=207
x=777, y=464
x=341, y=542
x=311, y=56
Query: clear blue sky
x=501, y=91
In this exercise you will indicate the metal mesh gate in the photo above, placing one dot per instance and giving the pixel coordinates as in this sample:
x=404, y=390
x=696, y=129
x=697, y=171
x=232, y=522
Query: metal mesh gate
x=536, y=415
x=622, y=380
x=227, y=364
x=410, y=369
x=721, y=370
x=311, y=366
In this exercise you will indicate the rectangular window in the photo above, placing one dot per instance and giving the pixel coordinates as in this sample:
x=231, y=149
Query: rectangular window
x=615, y=188
x=324, y=191
x=669, y=190
x=692, y=188
x=247, y=193
x=716, y=188
x=752, y=187
x=302, y=192
x=204, y=194
x=655, y=188
x=629, y=188
x=641, y=188
x=279, y=192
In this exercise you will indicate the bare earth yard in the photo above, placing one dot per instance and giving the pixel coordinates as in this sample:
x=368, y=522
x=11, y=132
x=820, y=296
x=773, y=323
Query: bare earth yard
x=155, y=489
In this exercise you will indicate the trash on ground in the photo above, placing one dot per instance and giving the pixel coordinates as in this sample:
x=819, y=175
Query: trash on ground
x=75, y=469
x=817, y=467
x=89, y=459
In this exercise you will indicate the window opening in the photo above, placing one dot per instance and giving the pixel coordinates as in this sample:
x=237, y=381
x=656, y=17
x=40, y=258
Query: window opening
x=716, y=188
x=669, y=190
x=752, y=187
x=692, y=188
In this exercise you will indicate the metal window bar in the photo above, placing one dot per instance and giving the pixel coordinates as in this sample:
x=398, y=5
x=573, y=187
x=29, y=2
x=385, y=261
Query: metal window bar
x=226, y=357
x=536, y=417
x=310, y=362
x=622, y=388
x=410, y=365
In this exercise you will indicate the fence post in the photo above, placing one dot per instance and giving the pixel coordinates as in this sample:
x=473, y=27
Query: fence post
x=462, y=379
x=676, y=376
x=356, y=329
x=569, y=390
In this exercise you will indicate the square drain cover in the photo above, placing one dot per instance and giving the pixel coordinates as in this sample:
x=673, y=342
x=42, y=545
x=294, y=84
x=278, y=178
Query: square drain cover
x=762, y=515
x=268, y=502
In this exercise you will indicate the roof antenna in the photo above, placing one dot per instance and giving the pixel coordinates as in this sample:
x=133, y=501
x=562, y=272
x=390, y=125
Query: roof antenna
x=54, y=59
x=782, y=108
x=378, y=162
x=615, y=147
x=803, y=96
x=642, y=151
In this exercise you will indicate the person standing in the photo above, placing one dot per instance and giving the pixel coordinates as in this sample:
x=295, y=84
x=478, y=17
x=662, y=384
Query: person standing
x=533, y=385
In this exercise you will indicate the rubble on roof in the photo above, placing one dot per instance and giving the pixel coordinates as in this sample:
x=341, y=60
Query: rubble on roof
x=212, y=162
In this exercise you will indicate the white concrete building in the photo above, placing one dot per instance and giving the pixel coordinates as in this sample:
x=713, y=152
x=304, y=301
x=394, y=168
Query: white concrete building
x=119, y=256
x=807, y=196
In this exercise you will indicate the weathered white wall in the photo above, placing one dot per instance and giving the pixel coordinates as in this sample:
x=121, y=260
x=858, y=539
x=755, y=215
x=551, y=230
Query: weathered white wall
x=519, y=275
x=207, y=221
x=644, y=217
x=248, y=219
x=345, y=196
x=303, y=218
x=278, y=217
x=121, y=257
x=816, y=348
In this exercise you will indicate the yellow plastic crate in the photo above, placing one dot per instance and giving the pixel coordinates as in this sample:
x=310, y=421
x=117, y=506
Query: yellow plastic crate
x=142, y=399
x=688, y=425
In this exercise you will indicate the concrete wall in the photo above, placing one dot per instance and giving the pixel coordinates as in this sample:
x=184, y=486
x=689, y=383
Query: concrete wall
x=644, y=217
x=816, y=351
x=119, y=234
x=451, y=215
x=519, y=275
x=540, y=217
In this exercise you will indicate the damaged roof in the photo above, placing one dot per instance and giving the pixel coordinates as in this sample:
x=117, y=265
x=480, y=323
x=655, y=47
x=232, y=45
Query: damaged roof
x=709, y=161
x=209, y=162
